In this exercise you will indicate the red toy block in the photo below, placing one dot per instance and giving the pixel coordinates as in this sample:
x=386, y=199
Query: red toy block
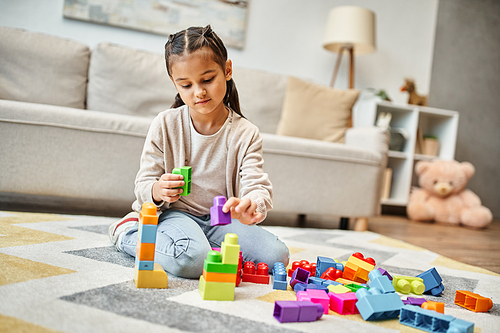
x=332, y=274
x=472, y=301
x=259, y=275
x=358, y=255
x=304, y=264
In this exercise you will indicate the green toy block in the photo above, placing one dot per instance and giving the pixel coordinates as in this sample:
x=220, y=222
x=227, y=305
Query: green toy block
x=217, y=291
x=354, y=287
x=230, y=250
x=407, y=284
x=185, y=171
x=213, y=264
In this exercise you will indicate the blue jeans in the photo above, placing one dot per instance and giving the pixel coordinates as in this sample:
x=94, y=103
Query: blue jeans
x=183, y=241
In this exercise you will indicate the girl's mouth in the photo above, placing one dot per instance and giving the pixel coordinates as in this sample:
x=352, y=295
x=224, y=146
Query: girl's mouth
x=203, y=101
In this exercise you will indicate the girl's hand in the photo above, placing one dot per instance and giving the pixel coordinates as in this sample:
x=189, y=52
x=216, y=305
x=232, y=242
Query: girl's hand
x=243, y=210
x=165, y=188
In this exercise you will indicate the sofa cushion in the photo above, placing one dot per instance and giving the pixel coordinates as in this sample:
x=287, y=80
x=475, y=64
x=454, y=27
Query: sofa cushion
x=40, y=68
x=316, y=112
x=261, y=97
x=128, y=81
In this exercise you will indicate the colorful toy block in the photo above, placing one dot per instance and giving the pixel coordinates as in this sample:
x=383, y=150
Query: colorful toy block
x=323, y=263
x=417, y=301
x=330, y=283
x=279, y=276
x=346, y=282
x=217, y=216
x=147, y=273
x=385, y=273
x=357, y=268
x=338, y=289
x=472, y=301
x=220, y=271
x=240, y=265
x=299, y=275
x=407, y=284
x=295, y=311
x=216, y=291
x=315, y=296
x=432, y=321
x=185, y=171
x=375, y=305
x=380, y=281
x=344, y=304
x=435, y=306
x=259, y=275
x=354, y=287
x=432, y=281
x=302, y=286
x=304, y=264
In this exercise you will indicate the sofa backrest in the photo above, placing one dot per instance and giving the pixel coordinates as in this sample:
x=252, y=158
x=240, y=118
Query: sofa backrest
x=128, y=81
x=39, y=68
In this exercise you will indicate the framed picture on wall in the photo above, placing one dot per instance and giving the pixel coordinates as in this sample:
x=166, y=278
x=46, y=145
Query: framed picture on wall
x=164, y=17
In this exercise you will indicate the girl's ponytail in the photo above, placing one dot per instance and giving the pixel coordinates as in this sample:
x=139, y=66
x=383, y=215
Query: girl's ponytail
x=232, y=99
x=177, y=102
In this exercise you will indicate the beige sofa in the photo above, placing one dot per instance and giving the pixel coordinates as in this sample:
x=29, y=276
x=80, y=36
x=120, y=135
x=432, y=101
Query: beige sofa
x=73, y=122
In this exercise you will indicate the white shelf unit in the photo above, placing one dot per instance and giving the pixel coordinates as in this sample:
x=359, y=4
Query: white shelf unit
x=442, y=124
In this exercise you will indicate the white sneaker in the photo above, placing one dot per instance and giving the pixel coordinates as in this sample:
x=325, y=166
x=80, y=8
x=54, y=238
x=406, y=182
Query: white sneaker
x=119, y=228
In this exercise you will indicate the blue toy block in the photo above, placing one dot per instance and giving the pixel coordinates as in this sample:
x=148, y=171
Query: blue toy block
x=316, y=280
x=279, y=276
x=302, y=286
x=331, y=282
x=144, y=265
x=382, y=282
x=432, y=281
x=147, y=233
x=432, y=321
x=374, y=305
x=323, y=263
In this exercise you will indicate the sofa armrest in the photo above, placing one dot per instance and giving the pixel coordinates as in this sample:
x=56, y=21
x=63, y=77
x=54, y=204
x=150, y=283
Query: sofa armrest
x=372, y=138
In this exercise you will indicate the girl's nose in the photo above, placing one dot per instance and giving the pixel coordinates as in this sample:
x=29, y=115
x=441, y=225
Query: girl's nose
x=201, y=92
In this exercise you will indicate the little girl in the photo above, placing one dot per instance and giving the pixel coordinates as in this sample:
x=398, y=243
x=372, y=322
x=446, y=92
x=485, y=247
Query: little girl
x=204, y=129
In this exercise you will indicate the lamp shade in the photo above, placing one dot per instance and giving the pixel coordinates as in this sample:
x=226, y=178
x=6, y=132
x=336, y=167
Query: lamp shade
x=352, y=27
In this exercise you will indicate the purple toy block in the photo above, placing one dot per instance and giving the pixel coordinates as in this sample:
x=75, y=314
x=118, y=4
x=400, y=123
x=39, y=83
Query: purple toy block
x=385, y=273
x=418, y=301
x=344, y=304
x=299, y=275
x=316, y=296
x=293, y=311
x=217, y=216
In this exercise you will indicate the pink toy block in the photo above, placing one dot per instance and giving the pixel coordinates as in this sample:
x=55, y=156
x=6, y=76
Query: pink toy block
x=344, y=304
x=315, y=296
x=217, y=216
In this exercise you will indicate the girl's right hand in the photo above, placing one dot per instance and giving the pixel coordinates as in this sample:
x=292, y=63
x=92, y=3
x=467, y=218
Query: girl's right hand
x=165, y=188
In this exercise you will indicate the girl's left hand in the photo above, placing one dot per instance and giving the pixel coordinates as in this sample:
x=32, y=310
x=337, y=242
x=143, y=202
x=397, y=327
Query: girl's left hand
x=243, y=210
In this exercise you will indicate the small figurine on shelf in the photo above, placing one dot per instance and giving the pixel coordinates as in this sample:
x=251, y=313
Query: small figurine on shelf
x=413, y=98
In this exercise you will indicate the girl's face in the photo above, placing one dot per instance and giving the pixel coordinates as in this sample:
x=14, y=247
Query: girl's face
x=200, y=81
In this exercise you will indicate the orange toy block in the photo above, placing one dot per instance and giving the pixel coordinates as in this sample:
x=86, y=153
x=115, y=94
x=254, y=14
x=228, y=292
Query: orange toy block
x=157, y=278
x=472, y=301
x=219, y=277
x=360, y=265
x=431, y=305
x=346, y=281
x=145, y=251
x=148, y=214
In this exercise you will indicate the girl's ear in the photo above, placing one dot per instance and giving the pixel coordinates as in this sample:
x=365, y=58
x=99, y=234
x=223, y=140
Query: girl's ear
x=229, y=70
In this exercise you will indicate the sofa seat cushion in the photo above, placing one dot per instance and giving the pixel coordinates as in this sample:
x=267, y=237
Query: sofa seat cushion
x=40, y=68
x=65, y=152
x=128, y=81
x=316, y=112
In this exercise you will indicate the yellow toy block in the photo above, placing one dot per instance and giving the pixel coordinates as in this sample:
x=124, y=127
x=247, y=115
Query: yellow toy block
x=407, y=284
x=360, y=267
x=157, y=278
x=345, y=281
x=219, y=277
x=148, y=214
x=338, y=289
x=216, y=291
x=230, y=250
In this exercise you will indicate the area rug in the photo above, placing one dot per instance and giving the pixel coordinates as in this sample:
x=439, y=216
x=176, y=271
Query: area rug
x=60, y=273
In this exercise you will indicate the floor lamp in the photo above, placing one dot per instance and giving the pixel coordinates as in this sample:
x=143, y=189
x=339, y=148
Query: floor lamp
x=350, y=29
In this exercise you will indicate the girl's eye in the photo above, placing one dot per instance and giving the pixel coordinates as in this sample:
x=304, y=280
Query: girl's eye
x=208, y=81
x=186, y=86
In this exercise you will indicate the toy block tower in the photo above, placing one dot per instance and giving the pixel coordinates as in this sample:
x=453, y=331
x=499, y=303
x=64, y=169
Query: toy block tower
x=220, y=271
x=185, y=171
x=148, y=274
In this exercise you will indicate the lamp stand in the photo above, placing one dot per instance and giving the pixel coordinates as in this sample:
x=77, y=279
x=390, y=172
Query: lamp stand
x=349, y=49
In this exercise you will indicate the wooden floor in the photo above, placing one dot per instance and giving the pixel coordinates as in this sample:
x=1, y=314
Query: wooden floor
x=471, y=246
x=474, y=247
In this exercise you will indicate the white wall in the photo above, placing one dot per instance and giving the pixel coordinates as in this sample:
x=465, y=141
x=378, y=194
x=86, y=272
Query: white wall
x=283, y=36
